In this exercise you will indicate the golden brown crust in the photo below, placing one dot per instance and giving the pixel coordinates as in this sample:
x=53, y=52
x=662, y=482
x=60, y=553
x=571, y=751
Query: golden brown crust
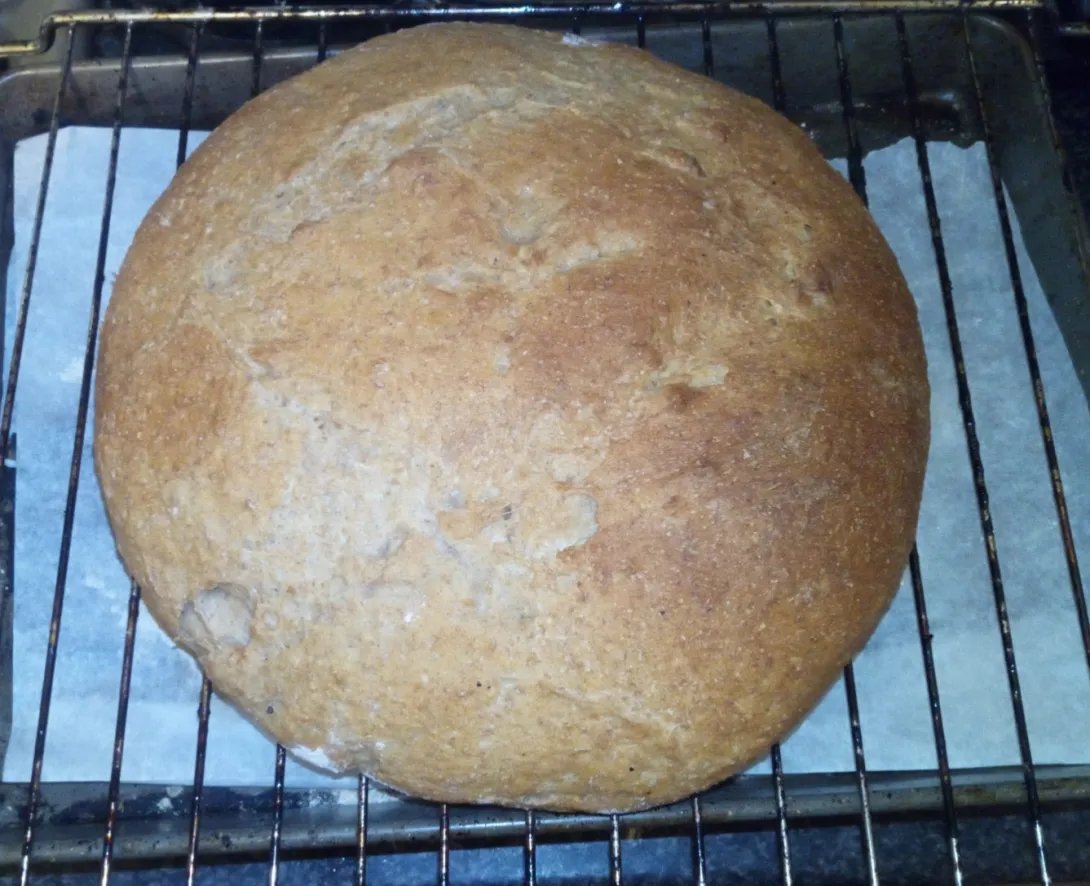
x=513, y=420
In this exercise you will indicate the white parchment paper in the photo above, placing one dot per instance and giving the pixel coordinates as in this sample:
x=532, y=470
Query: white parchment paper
x=162, y=723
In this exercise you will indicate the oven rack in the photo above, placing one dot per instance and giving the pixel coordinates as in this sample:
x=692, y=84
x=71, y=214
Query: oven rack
x=53, y=821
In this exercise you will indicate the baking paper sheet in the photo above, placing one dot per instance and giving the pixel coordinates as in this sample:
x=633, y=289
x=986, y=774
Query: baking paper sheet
x=162, y=722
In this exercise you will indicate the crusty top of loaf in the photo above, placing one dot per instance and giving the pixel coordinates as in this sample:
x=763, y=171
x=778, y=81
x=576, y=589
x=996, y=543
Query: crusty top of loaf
x=513, y=419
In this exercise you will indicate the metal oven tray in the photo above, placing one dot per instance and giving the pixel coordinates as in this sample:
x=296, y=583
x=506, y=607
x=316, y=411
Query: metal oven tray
x=970, y=78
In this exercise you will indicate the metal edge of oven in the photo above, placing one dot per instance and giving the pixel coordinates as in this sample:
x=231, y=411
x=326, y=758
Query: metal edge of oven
x=236, y=821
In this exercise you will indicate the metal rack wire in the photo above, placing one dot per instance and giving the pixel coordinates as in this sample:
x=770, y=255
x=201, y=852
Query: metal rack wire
x=531, y=827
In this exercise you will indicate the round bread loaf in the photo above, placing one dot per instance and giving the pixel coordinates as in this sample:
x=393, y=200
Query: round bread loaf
x=513, y=419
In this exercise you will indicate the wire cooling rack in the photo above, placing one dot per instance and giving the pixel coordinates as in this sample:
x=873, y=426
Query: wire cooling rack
x=47, y=817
